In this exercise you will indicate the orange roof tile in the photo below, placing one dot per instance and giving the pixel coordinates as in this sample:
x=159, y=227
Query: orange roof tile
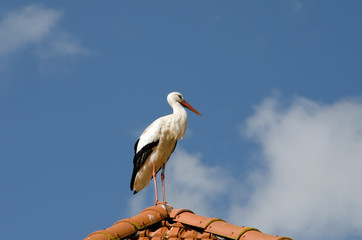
x=163, y=222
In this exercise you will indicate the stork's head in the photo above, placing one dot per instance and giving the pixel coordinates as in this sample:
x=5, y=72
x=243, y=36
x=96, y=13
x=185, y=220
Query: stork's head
x=176, y=97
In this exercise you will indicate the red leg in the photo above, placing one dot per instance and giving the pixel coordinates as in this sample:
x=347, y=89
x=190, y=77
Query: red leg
x=163, y=182
x=155, y=182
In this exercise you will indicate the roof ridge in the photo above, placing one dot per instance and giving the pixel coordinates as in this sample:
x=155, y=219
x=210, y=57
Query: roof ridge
x=156, y=214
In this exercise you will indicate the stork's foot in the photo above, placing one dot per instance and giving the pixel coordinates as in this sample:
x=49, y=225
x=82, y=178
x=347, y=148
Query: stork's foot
x=159, y=202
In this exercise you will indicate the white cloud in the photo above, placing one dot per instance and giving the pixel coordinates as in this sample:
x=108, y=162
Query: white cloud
x=311, y=186
x=26, y=26
x=194, y=185
x=37, y=26
x=63, y=44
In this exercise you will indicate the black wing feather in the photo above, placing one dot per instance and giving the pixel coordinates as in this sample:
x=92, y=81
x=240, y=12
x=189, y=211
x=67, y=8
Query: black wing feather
x=140, y=158
x=135, y=146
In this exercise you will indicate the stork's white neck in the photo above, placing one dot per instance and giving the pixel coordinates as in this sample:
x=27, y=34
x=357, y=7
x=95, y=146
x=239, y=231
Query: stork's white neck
x=179, y=120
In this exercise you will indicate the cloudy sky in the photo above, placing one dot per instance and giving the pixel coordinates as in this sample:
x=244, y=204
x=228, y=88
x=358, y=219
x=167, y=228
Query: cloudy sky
x=279, y=84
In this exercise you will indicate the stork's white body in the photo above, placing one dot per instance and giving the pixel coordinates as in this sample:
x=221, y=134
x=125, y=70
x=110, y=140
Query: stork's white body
x=167, y=130
x=158, y=141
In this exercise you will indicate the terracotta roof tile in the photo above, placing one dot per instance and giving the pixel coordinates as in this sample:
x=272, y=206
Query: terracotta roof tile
x=228, y=230
x=175, y=212
x=192, y=219
x=162, y=222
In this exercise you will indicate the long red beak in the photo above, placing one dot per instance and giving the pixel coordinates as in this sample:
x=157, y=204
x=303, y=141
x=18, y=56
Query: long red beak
x=186, y=104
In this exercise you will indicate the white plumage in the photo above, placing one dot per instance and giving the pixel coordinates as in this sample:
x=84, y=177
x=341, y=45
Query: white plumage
x=157, y=142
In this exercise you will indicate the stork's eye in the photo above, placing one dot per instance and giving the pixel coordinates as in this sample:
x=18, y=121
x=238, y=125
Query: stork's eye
x=180, y=97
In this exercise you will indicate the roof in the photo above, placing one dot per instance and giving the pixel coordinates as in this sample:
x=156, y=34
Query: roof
x=163, y=222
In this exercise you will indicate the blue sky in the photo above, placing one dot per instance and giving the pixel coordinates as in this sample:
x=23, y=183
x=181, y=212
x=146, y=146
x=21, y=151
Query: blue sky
x=278, y=83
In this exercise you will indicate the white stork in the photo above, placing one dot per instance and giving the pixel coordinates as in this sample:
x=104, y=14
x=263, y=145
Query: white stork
x=156, y=144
